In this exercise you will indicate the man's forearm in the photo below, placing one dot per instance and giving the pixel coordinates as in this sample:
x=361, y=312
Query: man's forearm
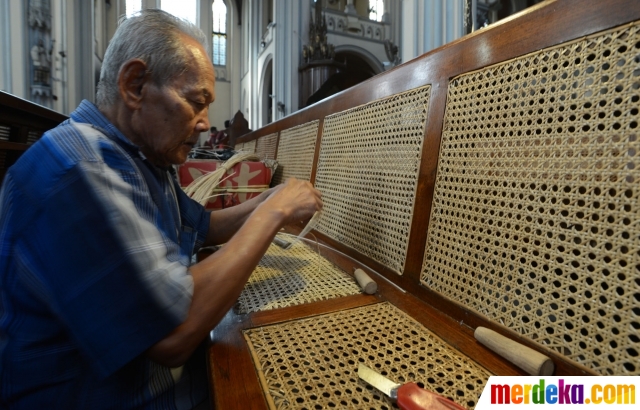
x=218, y=280
x=226, y=222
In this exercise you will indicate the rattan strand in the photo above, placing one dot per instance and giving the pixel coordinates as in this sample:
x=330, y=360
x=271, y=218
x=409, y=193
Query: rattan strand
x=295, y=152
x=266, y=146
x=206, y=186
x=368, y=172
x=535, y=220
x=292, y=277
x=312, y=363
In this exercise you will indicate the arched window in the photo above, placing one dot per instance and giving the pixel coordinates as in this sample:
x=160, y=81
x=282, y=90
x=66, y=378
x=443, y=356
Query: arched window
x=133, y=6
x=185, y=9
x=219, y=35
x=376, y=9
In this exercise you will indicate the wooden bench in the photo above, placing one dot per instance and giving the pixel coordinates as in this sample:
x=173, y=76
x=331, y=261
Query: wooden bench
x=491, y=182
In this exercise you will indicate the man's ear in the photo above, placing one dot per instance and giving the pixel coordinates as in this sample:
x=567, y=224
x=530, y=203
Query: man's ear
x=132, y=78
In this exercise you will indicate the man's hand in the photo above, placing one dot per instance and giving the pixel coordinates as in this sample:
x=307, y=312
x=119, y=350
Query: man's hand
x=296, y=200
x=288, y=204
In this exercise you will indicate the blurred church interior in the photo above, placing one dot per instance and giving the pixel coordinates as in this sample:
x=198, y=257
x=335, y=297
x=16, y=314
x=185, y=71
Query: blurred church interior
x=271, y=57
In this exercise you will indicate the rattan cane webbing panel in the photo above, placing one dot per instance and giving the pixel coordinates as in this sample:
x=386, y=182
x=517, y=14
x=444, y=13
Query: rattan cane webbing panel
x=295, y=152
x=266, y=146
x=249, y=146
x=292, y=277
x=368, y=173
x=536, y=215
x=312, y=363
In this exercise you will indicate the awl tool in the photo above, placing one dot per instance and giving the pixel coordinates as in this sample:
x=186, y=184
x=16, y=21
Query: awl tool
x=409, y=396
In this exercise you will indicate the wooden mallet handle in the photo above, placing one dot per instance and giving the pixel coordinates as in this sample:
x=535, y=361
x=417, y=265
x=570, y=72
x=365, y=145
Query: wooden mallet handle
x=529, y=360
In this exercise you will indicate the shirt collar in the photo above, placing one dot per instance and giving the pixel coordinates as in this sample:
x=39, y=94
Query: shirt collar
x=87, y=112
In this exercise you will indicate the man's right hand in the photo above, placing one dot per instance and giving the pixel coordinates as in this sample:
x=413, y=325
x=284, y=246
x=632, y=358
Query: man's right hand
x=295, y=200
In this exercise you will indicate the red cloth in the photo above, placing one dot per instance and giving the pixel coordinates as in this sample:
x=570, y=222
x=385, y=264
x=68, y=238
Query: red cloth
x=243, y=174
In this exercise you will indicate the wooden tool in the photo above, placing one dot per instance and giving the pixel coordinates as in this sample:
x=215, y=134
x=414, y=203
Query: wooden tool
x=529, y=360
x=368, y=285
x=409, y=396
x=282, y=243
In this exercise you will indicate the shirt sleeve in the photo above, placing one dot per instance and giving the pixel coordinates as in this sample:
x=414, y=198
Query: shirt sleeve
x=105, y=266
x=193, y=215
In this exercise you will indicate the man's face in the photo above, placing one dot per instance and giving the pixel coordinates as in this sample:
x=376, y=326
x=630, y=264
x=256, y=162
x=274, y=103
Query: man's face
x=173, y=115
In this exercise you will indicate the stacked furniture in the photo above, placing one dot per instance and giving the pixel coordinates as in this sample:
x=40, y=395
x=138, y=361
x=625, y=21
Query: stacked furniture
x=21, y=124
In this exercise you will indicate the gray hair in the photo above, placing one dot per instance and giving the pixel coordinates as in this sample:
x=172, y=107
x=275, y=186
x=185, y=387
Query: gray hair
x=152, y=36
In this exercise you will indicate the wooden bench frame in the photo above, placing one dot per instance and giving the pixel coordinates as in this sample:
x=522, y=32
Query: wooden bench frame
x=234, y=382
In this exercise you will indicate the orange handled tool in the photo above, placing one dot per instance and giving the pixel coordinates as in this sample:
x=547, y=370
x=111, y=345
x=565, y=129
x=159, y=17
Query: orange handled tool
x=408, y=396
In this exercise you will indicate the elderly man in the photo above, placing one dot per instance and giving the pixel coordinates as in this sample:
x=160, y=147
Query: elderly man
x=100, y=307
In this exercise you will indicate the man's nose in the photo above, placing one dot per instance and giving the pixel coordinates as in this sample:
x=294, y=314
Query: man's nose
x=203, y=121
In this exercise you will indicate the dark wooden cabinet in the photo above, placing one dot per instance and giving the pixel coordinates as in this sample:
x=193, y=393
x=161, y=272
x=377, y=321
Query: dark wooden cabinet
x=21, y=124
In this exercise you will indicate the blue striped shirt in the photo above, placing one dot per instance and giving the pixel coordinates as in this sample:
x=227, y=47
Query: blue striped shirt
x=95, y=243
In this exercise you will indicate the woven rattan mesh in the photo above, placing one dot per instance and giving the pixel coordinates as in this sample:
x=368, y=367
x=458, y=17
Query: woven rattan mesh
x=367, y=173
x=266, y=146
x=312, y=363
x=295, y=152
x=249, y=146
x=536, y=220
x=292, y=277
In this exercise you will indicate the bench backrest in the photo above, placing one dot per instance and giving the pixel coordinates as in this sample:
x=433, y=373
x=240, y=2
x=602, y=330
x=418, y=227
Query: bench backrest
x=496, y=178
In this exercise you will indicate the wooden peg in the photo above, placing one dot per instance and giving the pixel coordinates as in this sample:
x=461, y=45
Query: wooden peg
x=529, y=360
x=368, y=285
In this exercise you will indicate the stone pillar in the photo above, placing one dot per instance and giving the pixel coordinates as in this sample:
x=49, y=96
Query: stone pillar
x=386, y=17
x=350, y=9
x=40, y=48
